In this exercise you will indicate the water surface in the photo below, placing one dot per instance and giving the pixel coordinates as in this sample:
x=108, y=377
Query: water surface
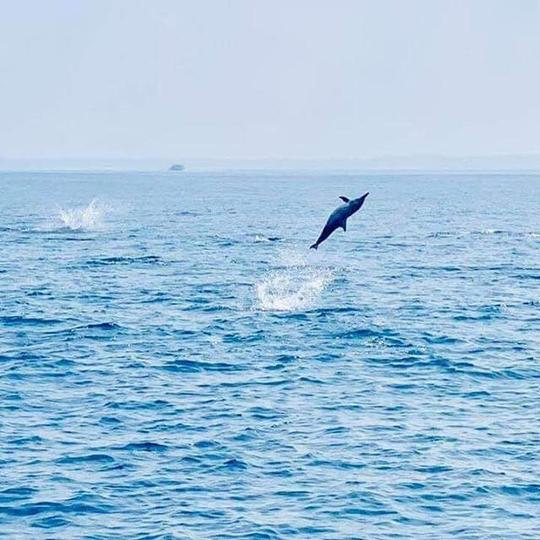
x=177, y=364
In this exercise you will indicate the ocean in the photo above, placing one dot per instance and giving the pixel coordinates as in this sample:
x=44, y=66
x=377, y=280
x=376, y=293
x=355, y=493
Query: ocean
x=177, y=364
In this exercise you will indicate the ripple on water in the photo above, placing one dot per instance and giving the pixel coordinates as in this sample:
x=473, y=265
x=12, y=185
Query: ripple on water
x=176, y=363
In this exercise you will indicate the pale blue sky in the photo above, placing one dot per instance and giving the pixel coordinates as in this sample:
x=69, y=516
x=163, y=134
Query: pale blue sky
x=268, y=78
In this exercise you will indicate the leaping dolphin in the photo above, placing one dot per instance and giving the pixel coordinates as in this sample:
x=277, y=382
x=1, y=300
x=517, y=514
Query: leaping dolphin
x=338, y=218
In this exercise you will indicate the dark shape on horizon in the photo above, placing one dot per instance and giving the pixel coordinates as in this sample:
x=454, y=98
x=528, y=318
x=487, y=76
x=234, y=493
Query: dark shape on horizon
x=338, y=218
x=176, y=167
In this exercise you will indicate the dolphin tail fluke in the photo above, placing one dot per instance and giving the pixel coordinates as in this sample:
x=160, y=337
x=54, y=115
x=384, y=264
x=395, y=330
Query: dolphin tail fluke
x=314, y=246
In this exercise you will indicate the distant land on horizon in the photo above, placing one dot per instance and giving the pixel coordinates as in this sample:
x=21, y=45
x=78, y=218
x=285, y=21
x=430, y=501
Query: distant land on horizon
x=502, y=162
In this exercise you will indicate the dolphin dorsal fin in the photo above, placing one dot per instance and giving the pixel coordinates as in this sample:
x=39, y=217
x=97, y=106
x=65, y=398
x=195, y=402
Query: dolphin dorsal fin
x=344, y=199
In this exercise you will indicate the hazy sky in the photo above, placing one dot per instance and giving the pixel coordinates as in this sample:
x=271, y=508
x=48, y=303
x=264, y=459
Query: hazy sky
x=268, y=78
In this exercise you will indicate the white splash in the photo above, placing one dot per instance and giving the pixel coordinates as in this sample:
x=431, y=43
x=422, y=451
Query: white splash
x=293, y=288
x=490, y=231
x=84, y=218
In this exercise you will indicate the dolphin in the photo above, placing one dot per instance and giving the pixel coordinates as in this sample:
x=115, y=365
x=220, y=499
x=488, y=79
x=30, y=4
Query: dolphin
x=338, y=218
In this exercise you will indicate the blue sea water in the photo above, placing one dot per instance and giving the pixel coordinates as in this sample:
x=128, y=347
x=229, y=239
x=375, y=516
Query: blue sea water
x=176, y=364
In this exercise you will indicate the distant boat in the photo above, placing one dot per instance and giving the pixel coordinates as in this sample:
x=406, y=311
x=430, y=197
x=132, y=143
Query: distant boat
x=176, y=167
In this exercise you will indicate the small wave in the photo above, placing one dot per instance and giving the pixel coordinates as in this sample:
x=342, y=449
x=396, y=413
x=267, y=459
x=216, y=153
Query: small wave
x=87, y=458
x=106, y=261
x=144, y=446
x=292, y=288
x=489, y=231
x=91, y=330
x=13, y=494
x=360, y=333
x=102, y=326
x=484, y=232
x=262, y=238
x=233, y=465
x=50, y=507
x=13, y=320
x=194, y=366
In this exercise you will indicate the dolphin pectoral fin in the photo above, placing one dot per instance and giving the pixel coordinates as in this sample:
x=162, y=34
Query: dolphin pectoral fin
x=344, y=199
x=344, y=225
